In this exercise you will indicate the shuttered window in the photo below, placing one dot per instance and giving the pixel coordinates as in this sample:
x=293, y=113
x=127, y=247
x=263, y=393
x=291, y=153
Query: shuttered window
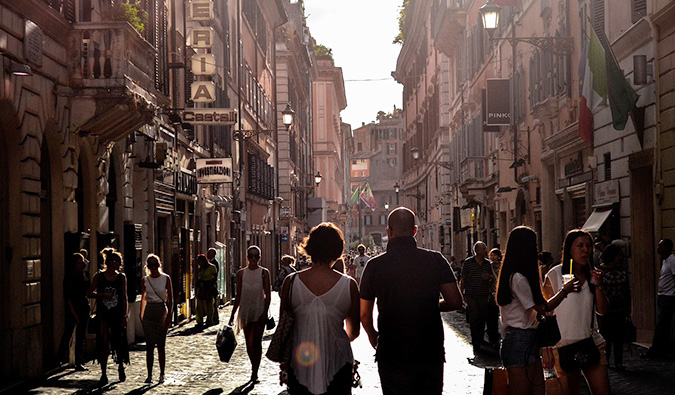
x=638, y=10
x=598, y=15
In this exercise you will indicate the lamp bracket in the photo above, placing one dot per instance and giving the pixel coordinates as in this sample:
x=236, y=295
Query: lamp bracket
x=555, y=45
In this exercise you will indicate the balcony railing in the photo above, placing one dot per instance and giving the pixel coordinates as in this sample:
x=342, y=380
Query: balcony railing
x=472, y=171
x=448, y=22
x=109, y=54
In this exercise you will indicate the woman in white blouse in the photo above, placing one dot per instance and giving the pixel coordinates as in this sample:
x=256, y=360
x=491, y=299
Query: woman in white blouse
x=520, y=300
x=322, y=300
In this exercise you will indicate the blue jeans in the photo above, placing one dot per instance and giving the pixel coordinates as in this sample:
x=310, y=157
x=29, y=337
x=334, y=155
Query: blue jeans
x=519, y=348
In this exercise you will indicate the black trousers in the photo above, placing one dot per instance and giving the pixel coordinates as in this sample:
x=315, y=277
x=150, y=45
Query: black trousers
x=612, y=328
x=411, y=378
x=341, y=384
x=80, y=335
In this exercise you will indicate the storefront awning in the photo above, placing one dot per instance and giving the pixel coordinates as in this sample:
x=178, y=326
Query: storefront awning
x=596, y=219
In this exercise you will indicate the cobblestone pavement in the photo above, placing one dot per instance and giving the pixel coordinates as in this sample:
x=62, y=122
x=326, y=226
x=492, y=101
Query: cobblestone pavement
x=193, y=367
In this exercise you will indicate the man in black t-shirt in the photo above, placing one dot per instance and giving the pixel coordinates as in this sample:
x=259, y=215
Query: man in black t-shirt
x=407, y=281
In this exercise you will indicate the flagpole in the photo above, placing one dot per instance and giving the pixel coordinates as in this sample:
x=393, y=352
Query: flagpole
x=359, y=214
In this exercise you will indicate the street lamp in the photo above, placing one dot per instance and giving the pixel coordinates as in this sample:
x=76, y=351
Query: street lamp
x=397, y=189
x=415, y=152
x=386, y=205
x=287, y=116
x=318, y=178
x=489, y=14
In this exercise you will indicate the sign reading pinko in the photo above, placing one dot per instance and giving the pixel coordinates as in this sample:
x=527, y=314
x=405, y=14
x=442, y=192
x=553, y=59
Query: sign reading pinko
x=214, y=170
x=498, y=102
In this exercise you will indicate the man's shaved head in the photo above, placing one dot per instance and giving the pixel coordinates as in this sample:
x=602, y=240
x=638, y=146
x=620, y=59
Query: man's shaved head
x=401, y=222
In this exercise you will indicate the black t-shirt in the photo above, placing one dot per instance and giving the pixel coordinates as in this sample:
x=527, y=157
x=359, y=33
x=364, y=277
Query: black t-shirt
x=406, y=281
x=474, y=283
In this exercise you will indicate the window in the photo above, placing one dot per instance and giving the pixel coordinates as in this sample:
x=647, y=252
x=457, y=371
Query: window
x=608, y=166
x=360, y=146
x=368, y=220
x=391, y=148
x=383, y=219
x=392, y=162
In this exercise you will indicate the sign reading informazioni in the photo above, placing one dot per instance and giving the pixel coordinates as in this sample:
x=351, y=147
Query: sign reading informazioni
x=214, y=170
x=209, y=116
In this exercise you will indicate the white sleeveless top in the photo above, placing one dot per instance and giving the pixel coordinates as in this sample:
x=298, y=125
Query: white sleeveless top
x=252, y=302
x=574, y=312
x=321, y=345
x=155, y=288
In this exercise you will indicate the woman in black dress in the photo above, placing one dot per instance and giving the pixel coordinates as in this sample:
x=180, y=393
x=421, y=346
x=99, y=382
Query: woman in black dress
x=109, y=288
x=75, y=286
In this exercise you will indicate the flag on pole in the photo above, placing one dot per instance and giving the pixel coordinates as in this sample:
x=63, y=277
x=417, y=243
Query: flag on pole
x=592, y=84
x=622, y=97
x=367, y=197
x=355, y=195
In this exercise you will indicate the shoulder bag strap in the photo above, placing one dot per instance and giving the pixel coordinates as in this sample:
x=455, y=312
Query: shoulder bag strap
x=289, y=298
x=153, y=288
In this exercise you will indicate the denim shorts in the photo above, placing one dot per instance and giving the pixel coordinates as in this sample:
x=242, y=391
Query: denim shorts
x=519, y=347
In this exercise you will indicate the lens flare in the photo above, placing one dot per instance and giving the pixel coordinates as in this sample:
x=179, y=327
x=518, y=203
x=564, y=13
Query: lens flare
x=307, y=354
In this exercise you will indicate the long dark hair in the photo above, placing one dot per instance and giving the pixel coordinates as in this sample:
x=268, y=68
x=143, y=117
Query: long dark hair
x=520, y=257
x=567, y=254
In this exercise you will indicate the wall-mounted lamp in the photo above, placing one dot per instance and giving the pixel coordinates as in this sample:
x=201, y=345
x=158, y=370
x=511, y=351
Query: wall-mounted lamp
x=317, y=178
x=19, y=69
x=287, y=116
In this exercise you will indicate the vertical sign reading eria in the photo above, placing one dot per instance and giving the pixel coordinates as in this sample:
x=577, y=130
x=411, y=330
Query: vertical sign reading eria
x=202, y=64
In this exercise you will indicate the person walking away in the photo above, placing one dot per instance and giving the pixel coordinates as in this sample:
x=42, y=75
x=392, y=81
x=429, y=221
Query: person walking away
x=325, y=304
x=665, y=302
x=477, y=281
x=520, y=300
x=206, y=286
x=351, y=267
x=253, y=302
x=287, y=267
x=406, y=282
x=211, y=256
x=492, y=321
x=545, y=264
x=76, y=283
x=360, y=261
x=109, y=288
x=617, y=290
x=156, y=312
x=576, y=314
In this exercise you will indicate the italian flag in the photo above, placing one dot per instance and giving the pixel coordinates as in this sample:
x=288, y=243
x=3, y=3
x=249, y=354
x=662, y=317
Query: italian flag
x=592, y=84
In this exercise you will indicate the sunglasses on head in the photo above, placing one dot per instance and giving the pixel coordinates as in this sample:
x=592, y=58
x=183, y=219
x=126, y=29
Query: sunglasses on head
x=252, y=256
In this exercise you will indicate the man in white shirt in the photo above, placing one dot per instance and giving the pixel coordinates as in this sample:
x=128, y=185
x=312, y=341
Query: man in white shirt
x=360, y=261
x=665, y=301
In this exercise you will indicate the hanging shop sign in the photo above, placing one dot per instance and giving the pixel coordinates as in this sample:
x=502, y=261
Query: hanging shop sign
x=203, y=91
x=498, y=102
x=214, y=170
x=201, y=10
x=201, y=37
x=209, y=116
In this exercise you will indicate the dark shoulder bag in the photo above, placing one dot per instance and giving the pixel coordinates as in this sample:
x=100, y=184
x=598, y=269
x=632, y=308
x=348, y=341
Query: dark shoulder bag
x=582, y=354
x=281, y=346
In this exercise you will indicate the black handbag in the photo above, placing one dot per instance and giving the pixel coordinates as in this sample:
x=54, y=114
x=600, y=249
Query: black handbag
x=281, y=346
x=582, y=354
x=548, y=333
x=579, y=355
x=270, y=324
x=94, y=324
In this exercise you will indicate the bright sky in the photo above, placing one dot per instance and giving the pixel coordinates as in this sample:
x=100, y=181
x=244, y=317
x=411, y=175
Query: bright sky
x=360, y=33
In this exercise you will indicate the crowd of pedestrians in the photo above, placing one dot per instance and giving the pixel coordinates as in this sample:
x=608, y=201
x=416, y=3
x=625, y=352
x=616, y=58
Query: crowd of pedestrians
x=332, y=294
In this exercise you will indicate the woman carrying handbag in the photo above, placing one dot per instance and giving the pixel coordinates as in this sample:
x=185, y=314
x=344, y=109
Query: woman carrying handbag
x=520, y=301
x=581, y=349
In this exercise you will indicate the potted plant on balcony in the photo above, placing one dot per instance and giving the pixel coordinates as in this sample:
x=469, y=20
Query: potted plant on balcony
x=130, y=11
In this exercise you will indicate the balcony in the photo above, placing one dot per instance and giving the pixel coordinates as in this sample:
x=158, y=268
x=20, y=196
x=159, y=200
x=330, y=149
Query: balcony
x=111, y=75
x=471, y=175
x=448, y=23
